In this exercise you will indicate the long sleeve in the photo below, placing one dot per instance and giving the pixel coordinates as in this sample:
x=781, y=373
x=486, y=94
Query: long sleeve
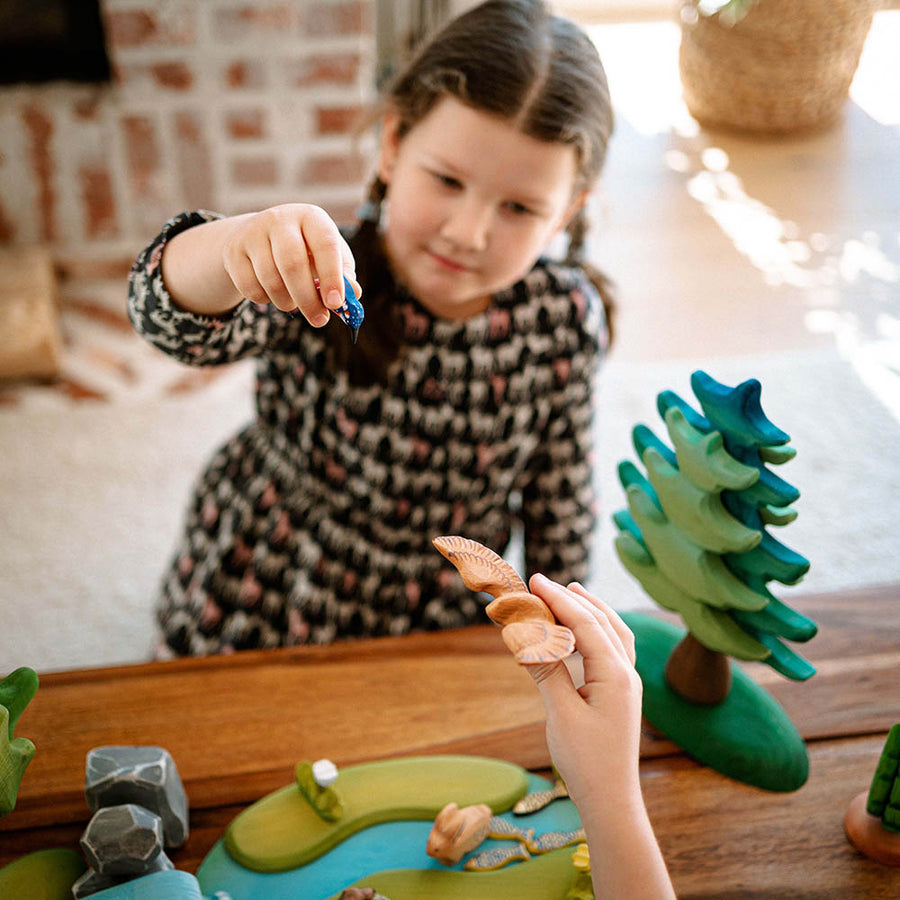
x=558, y=496
x=190, y=337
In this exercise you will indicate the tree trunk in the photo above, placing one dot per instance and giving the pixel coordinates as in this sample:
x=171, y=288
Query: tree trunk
x=697, y=673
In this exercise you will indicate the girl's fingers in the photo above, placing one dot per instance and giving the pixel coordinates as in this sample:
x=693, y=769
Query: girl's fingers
x=269, y=276
x=625, y=634
x=555, y=684
x=330, y=256
x=292, y=260
x=595, y=637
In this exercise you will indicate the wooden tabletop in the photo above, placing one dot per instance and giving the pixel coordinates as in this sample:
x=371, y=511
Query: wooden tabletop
x=236, y=725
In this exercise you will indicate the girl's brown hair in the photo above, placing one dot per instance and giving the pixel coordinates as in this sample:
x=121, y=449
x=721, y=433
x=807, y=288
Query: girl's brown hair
x=510, y=58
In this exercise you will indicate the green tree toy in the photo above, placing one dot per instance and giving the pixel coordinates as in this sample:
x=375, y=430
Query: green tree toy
x=16, y=691
x=695, y=535
x=872, y=821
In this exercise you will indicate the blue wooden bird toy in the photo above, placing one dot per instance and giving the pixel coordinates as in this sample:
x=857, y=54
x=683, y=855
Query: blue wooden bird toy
x=352, y=311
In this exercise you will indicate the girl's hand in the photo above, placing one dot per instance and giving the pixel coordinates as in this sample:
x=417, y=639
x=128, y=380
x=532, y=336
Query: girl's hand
x=275, y=256
x=593, y=731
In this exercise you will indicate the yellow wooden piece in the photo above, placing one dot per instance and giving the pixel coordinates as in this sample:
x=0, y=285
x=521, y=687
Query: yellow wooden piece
x=282, y=831
x=44, y=875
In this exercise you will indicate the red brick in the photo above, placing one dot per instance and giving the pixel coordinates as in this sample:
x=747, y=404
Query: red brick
x=194, y=161
x=243, y=22
x=141, y=151
x=325, y=19
x=86, y=108
x=336, y=68
x=243, y=73
x=245, y=124
x=254, y=171
x=39, y=128
x=145, y=27
x=337, y=119
x=152, y=77
x=98, y=201
x=173, y=75
x=343, y=213
x=131, y=28
x=333, y=169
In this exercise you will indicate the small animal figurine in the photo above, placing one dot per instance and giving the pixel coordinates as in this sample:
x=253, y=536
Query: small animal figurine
x=351, y=312
x=457, y=831
x=529, y=628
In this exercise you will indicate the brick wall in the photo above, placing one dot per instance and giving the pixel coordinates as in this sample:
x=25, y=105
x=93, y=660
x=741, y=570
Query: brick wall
x=230, y=105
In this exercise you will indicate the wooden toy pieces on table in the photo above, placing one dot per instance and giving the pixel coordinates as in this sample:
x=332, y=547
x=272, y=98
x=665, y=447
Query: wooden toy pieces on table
x=16, y=692
x=282, y=848
x=139, y=808
x=529, y=628
x=872, y=820
x=696, y=537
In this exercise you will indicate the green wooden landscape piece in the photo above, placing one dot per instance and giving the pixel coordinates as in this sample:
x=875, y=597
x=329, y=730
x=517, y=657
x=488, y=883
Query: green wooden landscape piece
x=283, y=831
x=696, y=536
x=883, y=800
x=546, y=877
x=748, y=737
x=16, y=692
x=43, y=875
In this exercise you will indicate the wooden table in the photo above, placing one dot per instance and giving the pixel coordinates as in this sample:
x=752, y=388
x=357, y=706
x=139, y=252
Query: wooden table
x=236, y=726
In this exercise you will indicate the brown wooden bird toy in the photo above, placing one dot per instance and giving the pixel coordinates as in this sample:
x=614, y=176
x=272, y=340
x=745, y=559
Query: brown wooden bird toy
x=529, y=628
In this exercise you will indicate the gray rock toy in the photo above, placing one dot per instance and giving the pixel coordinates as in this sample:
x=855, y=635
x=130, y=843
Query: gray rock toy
x=122, y=840
x=145, y=776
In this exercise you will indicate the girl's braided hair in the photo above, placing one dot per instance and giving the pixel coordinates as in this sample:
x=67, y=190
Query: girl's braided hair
x=509, y=58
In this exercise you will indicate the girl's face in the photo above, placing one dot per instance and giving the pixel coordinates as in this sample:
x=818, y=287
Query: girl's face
x=472, y=203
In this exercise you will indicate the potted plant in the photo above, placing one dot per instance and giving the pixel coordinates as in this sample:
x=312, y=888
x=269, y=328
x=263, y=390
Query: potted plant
x=770, y=65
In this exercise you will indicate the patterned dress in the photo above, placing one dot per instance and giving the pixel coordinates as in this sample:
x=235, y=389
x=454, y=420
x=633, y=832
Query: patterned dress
x=315, y=522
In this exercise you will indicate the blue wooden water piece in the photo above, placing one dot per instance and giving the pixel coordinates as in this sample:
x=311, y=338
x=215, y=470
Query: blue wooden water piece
x=391, y=845
x=171, y=885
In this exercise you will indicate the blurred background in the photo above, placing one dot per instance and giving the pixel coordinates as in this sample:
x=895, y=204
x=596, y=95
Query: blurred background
x=752, y=231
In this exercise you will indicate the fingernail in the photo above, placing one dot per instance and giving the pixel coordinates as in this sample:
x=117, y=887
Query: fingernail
x=541, y=579
x=319, y=319
x=334, y=299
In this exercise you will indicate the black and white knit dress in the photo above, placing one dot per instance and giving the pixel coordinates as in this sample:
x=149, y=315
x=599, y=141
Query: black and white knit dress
x=315, y=522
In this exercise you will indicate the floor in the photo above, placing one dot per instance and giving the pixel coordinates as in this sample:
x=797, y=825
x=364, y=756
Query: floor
x=748, y=256
x=797, y=237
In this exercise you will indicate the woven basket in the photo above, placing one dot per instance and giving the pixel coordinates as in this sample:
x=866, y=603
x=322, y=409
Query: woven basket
x=786, y=66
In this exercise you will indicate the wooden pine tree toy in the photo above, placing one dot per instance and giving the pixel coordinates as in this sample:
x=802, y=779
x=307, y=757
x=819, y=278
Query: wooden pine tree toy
x=696, y=536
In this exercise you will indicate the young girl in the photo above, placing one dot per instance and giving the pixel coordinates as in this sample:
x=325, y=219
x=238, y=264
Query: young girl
x=466, y=403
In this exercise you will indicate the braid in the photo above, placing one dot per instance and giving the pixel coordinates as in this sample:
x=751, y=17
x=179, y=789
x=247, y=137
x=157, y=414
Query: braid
x=379, y=342
x=577, y=230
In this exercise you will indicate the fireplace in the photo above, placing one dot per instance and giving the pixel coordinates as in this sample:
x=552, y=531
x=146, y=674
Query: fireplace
x=52, y=40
